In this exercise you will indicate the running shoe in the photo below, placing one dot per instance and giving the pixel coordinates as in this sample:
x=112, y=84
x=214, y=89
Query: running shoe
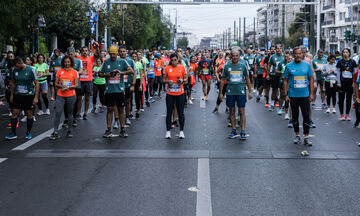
x=190, y=102
x=287, y=117
x=312, y=124
x=137, y=115
x=11, y=136
x=127, y=121
x=107, y=133
x=342, y=117
x=271, y=108
x=78, y=117
x=227, y=110
x=142, y=110
x=328, y=110
x=290, y=124
x=28, y=136
x=297, y=139
x=266, y=105
x=84, y=117
x=233, y=134
x=24, y=119
x=40, y=112
x=147, y=104
x=116, y=125
x=93, y=110
x=168, y=135
x=65, y=124
x=356, y=123
x=229, y=124
x=276, y=104
x=215, y=110
x=334, y=110
x=258, y=98
x=347, y=117
x=307, y=141
x=52, y=98
x=324, y=106
x=74, y=123
x=313, y=106
x=123, y=134
x=181, y=135
x=47, y=112
x=102, y=109
x=69, y=134
x=54, y=136
x=243, y=136
x=280, y=112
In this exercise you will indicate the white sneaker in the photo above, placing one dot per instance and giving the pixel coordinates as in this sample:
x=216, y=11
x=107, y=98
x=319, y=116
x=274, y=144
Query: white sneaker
x=40, y=112
x=116, y=125
x=24, y=119
x=34, y=118
x=47, y=112
x=168, y=135
x=190, y=102
x=181, y=135
x=142, y=110
x=287, y=116
x=334, y=111
x=328, y=110
x=10, y=114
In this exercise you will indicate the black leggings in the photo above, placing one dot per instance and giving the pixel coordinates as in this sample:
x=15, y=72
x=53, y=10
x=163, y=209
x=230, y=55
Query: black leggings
x=218, y=101
x=46, y=101
x=346, y=90
x=180, y=101
x=330, y=93
x=158, y=84
x=138, y=94
x=98, y=89
x=150, y=86
x=304, y=104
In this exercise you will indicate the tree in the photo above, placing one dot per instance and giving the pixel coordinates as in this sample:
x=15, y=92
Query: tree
x=182, y=42
x=296, y=31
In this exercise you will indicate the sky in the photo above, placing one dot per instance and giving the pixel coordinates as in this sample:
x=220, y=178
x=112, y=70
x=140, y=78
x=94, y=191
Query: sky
x=208, y=20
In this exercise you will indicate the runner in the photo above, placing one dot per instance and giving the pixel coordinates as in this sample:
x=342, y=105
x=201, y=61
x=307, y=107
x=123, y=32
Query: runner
x=175, y=76
x=346, y=67
x=43, y=71
x=192, y=80
x=24, y=93
x=86, y=79
x=298, y=80
x=55, y=65
x=318, y=64
x=8, y=64
x=356, y=80
x=250, y=58
x=329, y=73
x=158, y=67
x=129, y=82
x=236, y=74
x=205, y=69
x=259, y=72
x=150, y=76
x=275, y=75
x=268, y=80
x=220, y=63
x=139, y=69
x=114, y=70
x=98, y=86
x=66, y=82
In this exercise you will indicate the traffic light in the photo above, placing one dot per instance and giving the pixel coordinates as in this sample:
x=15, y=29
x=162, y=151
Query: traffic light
x=347, y=35
x=353, y=37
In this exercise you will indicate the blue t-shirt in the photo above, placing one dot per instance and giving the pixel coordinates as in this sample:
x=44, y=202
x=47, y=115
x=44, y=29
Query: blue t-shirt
x=151, y=65
x=298, y=75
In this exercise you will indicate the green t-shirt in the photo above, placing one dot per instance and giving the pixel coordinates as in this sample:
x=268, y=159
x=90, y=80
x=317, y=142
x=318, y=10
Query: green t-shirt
x=41, y=70
x=258, y=60
x=250, y=59
x=77, y=67
x=235, y=76
x=281, y=66
x=139, y=66
x=318, y=66
x=129, y=78
x=114, y=84
x=24, y=81
x=98, y=80
x=274, y=61
x=56, y=62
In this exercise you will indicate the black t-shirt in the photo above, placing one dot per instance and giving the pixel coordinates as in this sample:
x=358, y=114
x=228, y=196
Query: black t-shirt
x=347, y=69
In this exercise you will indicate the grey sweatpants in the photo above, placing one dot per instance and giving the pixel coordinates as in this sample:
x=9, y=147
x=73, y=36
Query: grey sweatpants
x=69, y=102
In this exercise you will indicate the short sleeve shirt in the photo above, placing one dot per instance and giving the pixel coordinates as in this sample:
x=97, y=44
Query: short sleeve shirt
x=235, y=75
x=67, y=78
x=175, y=73
x=298, y=75
x=24, y=81
x=114, y=84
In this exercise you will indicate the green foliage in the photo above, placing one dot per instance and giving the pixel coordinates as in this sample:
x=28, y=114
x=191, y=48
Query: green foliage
x=182, y=42
x=296, y=31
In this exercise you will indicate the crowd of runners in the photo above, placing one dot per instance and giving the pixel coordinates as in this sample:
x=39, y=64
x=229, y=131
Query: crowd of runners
x=122, y=82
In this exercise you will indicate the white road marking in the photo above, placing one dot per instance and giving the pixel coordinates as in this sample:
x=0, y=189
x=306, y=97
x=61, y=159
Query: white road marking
x=2, y=159
x=203, y=201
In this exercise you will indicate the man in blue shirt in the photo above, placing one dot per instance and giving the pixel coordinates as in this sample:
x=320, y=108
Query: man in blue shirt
x=299, y=85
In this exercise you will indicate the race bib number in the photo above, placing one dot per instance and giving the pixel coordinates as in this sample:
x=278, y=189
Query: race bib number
x=191, y=73
x=347, y=74
x=205, y=71
x=158, y=68
x=22, y=89
x=151, y=71
x=126, y=78
x=175, y=88
x=251, y=61
x=66, y=82
x=84, y=76
x=236, y=76
x=320, y=66
x=300, y=82
x=56, y=69
x=114, y=80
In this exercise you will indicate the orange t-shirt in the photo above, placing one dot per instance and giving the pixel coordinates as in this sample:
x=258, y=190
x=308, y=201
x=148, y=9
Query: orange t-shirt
x=88, y=64
x=158, y=66
x=67, y=77
x=192, y=69
x=220, y=64
x=175, y=73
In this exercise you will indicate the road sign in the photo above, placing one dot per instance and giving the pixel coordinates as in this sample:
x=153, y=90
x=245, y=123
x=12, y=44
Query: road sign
x=306, y=42
x=269, y=44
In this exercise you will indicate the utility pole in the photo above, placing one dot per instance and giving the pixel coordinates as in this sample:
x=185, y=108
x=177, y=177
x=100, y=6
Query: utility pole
x=175, y=42
x=226, y=42
x=254, y=43
x=123, y=24
x=234, y=30
x=266, y=28
x=244, y=33
x=312, y=29
x=283, y=27
x=352, y=27
x=108, y=30
x=239, y=42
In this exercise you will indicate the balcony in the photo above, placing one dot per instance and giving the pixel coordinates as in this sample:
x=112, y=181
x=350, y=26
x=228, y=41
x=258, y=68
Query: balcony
x=348, y=19
x=327, y=7
x=328, y=22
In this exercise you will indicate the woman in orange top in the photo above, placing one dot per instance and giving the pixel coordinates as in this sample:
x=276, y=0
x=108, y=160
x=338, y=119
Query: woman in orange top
x=175, y=76
x=67, y=80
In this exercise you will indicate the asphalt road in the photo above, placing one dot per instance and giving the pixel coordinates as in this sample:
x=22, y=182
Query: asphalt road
x=205, y=174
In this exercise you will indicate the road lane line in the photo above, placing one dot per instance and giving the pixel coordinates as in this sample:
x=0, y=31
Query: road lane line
x=203, y=201
x=2, y=159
